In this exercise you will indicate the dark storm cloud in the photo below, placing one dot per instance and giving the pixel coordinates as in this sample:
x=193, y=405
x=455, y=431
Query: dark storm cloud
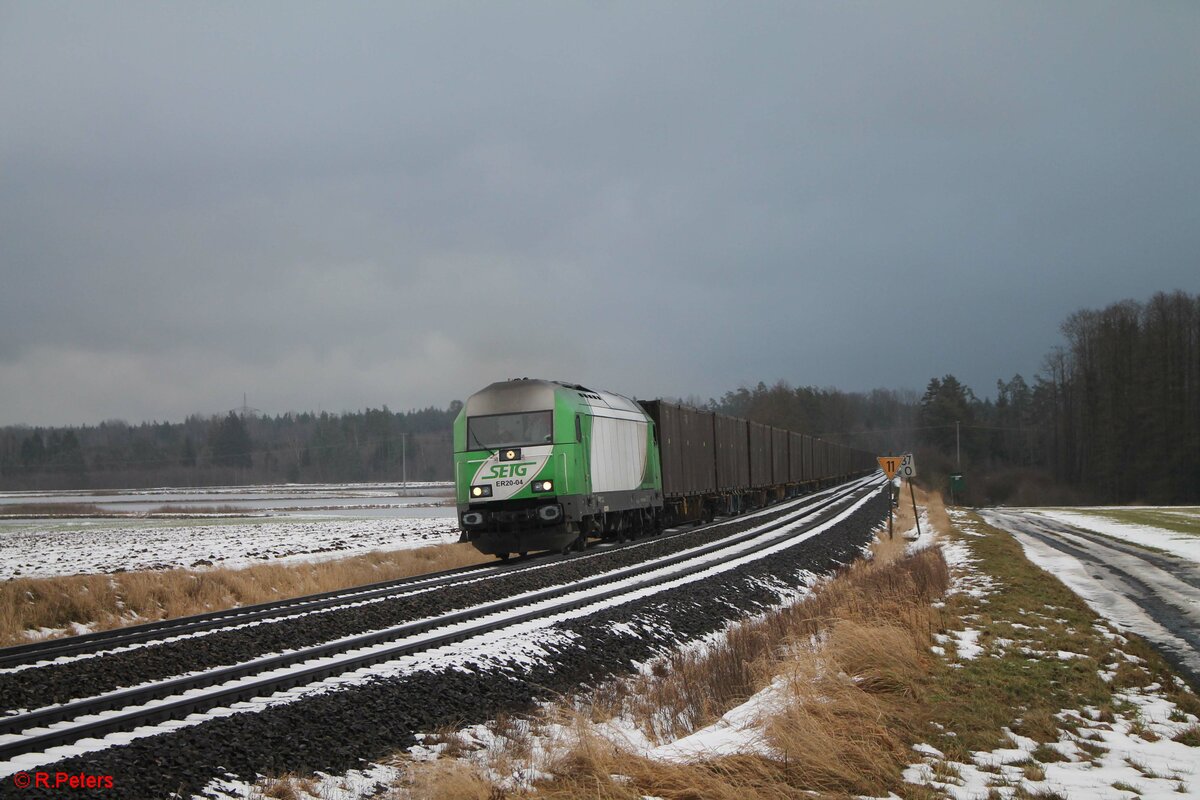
x=341, y=206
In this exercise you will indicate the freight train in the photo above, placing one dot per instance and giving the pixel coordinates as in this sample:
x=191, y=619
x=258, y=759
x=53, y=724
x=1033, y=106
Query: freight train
x=543, y=465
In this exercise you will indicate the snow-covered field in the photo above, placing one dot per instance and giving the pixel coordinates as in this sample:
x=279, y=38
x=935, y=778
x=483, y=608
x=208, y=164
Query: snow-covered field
x=355, y=499
x=99, y=546
x=278, y=524
x=1100, y=521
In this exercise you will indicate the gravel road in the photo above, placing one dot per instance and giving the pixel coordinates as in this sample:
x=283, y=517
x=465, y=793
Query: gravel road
x=1151, y=593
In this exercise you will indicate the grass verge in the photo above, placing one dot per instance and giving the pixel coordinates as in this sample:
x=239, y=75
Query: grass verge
x=79, y=603
x=1179, y=520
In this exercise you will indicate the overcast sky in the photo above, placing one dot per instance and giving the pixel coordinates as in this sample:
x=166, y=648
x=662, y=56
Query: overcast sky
x=346, y=205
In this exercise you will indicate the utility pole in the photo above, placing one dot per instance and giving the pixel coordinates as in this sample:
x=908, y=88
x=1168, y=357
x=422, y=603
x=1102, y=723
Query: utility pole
x=957, y=448
x=404, y=460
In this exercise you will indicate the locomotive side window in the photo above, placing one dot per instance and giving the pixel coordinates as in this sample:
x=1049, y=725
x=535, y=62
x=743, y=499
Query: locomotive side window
x=578, y=429
x=510, y=430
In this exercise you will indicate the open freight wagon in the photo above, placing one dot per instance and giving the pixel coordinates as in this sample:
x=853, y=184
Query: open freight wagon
x=715, y=464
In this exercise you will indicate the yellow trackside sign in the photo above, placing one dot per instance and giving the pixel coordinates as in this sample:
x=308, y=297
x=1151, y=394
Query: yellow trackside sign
x=889, y=465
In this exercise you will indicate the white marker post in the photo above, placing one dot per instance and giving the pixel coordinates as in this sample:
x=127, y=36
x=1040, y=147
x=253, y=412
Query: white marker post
x=908, y=471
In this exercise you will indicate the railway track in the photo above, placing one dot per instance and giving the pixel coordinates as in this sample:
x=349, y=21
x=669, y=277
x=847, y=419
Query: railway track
x=46, y=734
x=112, y=669
x=41, y=653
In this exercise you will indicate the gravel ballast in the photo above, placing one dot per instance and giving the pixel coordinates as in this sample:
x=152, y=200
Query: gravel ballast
x=53, y=684
x=338, y=730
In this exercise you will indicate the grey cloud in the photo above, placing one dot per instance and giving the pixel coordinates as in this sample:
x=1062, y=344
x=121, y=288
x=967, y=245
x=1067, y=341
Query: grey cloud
x=350, y=205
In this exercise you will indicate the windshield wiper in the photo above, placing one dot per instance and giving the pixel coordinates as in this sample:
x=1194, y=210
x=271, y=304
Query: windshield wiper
x=481, y=444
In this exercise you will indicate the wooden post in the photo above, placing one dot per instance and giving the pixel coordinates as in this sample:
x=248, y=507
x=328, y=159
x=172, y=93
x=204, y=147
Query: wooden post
x=890, y=490
x=916, y=516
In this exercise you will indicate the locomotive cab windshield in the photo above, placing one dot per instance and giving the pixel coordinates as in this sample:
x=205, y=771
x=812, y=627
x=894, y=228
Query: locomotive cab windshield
x=510, y=430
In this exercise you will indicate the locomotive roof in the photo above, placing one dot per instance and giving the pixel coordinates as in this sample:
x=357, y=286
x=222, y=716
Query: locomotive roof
x=532, y=394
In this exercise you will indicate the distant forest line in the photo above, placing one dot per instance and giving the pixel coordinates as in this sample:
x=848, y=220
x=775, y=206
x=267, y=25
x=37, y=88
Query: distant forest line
x=1112, y=416
x=232, y=450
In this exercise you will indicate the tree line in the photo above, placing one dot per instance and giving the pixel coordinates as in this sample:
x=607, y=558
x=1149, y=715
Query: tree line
x=1112, y=416
x=1121, y=404
x=880, y=420
x=233, y=449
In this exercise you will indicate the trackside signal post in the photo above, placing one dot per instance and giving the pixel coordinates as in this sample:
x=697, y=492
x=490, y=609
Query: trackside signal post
x=889, y=465
x=906, y=467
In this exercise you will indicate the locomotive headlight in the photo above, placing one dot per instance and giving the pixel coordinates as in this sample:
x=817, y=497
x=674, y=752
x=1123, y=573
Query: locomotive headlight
x=510, y=454
x=543, y=486
x=481, y=491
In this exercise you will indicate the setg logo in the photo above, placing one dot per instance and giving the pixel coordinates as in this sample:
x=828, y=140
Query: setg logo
x=518, y=470
x=509, y=477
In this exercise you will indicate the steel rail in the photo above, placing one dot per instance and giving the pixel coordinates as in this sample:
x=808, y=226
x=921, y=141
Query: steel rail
x=13, y=723
x=162, y=629
x=220, y=697
x=100, y=641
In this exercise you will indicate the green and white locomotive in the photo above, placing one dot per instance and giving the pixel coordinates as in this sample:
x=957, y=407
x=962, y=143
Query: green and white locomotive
x=542, y=465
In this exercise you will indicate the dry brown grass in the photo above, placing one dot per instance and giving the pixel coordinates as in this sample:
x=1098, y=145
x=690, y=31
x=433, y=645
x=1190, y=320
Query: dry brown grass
x=690, y=690
x=289, y=787
x=451, y=780
x=113, y=601
x=885, y=550
x=588, y=768
x=837, y=737
x=851, y=660
x=177, y=510
x=937, y=511
x=934, y=507
x=52, y=510
x=1040, y=725
x=891, y=599
x=903, y=512
x=849, y=716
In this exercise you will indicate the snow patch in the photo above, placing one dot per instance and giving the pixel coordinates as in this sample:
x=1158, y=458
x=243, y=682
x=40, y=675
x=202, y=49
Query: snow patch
x=1181, y=544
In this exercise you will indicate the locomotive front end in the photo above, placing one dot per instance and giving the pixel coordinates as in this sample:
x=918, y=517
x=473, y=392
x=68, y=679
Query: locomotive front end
x=513, y=456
